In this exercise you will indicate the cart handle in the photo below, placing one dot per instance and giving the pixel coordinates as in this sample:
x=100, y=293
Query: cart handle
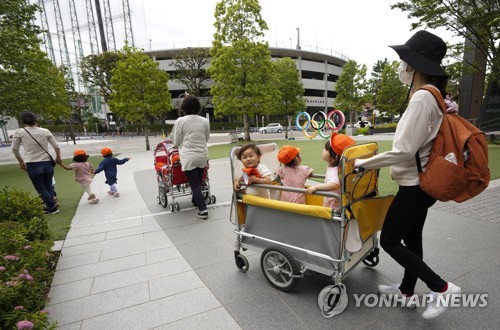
x=292, y=189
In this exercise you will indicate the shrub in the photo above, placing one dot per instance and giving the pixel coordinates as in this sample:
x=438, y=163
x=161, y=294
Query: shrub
x=22, y=207
x=363, y=131
x=26, y=262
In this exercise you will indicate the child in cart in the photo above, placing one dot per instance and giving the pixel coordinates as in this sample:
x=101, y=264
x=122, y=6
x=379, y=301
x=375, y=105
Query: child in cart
x=83, y=172
x=108, y=165
x=331, y=154
x=253, y=171
x=292, y=174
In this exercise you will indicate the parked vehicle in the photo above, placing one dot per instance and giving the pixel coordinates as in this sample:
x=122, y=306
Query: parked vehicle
x=363, y=123
x=271, y=128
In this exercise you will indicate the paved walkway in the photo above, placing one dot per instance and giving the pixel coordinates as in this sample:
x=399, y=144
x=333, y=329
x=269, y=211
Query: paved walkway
x=128, y=263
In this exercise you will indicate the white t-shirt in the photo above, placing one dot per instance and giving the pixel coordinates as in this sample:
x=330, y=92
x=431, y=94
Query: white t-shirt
x=261, y=192
x=190, y=135
x=332, y=176
x=33, y=153
x=416, y=131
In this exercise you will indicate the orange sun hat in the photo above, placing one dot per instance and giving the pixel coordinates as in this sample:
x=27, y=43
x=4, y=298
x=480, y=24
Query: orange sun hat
x=340, y=141
x=287, y=154
x=79, y=152
x=106, y=151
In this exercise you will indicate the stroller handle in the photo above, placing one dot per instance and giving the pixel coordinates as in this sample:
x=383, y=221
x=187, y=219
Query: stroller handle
x=296, y=190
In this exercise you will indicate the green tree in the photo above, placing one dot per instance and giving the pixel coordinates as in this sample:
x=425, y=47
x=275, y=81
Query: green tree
x=290, y=87
x=96, y=71
x=376, y=78
x=190, y=69
x=140, y=90
x=392, y=93
x=241, y=68
x=28, y=79
x=476, y=20
x=351, y=88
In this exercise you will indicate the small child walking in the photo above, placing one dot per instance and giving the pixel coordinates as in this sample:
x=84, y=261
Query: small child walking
x=293, y=174
x=83, y=172
x=331, y=155
x=253, y=171
x=108, y=165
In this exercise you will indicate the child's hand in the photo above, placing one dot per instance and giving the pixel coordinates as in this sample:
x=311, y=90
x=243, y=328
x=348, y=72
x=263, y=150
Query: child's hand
x=311, y=190
x=236, y=185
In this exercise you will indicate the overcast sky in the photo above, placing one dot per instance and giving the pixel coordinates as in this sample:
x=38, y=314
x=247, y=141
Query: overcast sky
x=362, y=30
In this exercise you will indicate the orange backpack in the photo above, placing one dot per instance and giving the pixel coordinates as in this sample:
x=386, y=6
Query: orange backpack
x=458, y=164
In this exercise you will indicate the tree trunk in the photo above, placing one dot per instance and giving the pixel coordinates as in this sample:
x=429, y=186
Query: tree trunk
x=146, y=137
x=246, y=127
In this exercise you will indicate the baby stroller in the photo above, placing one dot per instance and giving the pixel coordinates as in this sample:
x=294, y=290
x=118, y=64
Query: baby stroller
x=296, y=238
x=172, y=181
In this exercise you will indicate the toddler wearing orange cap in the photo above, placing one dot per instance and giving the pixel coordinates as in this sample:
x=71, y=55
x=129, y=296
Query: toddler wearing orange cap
x=253, y=171
x=108, y=165
x=331, y=154
x=292, y=174
x=83, y=172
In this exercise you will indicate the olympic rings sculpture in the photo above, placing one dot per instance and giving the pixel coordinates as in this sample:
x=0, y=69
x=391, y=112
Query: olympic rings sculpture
x=318, y=124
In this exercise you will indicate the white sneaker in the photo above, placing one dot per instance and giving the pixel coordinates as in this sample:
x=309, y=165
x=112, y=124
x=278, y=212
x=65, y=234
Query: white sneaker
x=440, y=301
x=394, y=293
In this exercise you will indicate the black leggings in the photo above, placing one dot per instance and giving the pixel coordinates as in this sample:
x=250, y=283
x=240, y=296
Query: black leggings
x=405, y=222
x=195, y=178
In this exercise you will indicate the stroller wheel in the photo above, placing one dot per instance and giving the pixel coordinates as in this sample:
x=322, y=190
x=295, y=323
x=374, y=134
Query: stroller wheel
x=208, y=200
x=177, y=206
x=279, y=268
x=171, y=208
x=162, y=197
x=241, y=262
x=372, y=259
x=213, y=199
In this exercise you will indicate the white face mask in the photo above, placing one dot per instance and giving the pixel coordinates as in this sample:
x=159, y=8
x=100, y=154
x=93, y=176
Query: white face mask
x=405, y=77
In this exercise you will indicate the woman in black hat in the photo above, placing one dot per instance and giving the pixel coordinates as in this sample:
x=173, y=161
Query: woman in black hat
x=421, y=59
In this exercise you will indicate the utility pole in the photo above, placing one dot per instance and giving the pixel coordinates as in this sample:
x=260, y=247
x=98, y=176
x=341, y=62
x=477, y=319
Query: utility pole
x=101, y=26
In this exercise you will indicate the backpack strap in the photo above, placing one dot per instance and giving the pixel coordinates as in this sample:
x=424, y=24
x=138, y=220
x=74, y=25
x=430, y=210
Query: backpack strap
x=439, y=99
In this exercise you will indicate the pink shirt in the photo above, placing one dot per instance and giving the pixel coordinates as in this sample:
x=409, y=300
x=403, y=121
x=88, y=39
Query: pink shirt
x=82, y=172
x=332, y=176
x=294, y=177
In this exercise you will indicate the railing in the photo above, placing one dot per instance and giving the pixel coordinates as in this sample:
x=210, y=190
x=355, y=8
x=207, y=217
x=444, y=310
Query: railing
x=493, y=123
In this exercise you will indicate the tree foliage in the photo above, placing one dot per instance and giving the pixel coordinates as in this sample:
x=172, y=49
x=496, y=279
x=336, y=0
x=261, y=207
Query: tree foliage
x=191, y=69
x=28, y=79
x=96, y=70
x=140, y=90
x=241, y=68
x=392, y=93
x=351, y=88
x=476, y=20
x=375, y=81
x=290, y=88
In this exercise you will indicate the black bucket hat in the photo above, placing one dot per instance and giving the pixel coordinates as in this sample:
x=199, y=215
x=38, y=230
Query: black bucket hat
x=424, y=51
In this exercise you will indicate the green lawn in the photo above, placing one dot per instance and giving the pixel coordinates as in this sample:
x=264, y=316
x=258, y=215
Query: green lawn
x=70, y=192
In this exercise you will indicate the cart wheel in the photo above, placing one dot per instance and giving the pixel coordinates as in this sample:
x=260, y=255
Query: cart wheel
x=213, y=199
x=241, y=262
x=332, y=300
x=372, y=259
x=208, y=200
x=171, y=207
x=279, y=268
x=177, y=207
x=162, y=197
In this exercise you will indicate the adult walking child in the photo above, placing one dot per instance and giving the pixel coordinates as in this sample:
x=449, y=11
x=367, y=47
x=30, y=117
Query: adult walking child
x=37, y=161
x=421, y=59
x=83, y=172
x=190, y=134
x=108, y=165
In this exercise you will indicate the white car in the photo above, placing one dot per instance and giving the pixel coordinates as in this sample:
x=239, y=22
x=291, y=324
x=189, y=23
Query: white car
x=363, y=123
x=271, y=128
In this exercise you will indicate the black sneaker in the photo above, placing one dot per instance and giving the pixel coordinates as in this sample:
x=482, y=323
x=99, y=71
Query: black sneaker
x=55, y=210
x=202, y=214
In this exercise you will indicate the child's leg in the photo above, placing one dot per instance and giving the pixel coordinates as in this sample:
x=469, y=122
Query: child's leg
x=86, y=187
x=113, y=188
